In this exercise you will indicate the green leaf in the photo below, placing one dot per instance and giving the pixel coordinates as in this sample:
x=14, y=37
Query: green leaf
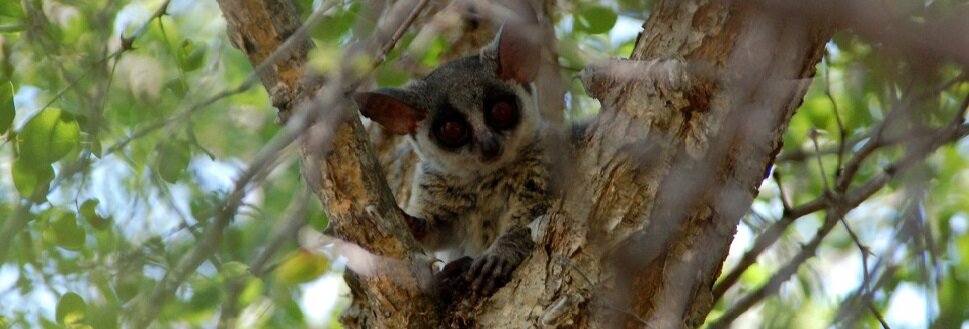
x=71, y=309
x=126, y=286
x=75, y=30
x=11, y=8
x=89, y=212
x=31, y=181
x=48, y=136
x=96, y=148
x=89, y=207
x=595, y=19
x=430, y=54
x=234, y=270
x=177, y=87
x=252, y=292
x=172, y=160
x=305, y=7
x=301, y=266
x=67, y=234
x=7, y=109
x=103, y=316
x=206, y=295
x=335, y=26
x=755, y=276
x=390, y=76
x=193, y=56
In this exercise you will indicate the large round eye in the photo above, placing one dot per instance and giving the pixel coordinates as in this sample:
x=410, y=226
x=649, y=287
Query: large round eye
x=503, y=114
x=452, y=133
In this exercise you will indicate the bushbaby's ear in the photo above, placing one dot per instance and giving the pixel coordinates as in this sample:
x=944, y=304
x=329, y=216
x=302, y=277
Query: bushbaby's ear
x=389, y=111
x=519, y=47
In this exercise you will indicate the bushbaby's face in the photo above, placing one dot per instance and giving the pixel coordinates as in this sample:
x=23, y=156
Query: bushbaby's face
x=475, y=121
x=469, y=115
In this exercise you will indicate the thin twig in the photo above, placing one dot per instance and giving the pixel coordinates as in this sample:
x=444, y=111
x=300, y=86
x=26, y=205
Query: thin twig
x=854, y=197
x=285, y=231
x=780, y=190
x=843, y=203
x=842, y=132
x=866, y=274
x=774, y=283
x=813, y=134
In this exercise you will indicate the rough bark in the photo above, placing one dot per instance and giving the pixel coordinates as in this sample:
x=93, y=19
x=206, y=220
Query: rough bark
x=688, y=127
x=339, y=164
x=670, y=166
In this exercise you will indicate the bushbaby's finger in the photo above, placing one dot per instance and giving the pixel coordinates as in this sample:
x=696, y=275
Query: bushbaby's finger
x=485, y=274
x=475, y=269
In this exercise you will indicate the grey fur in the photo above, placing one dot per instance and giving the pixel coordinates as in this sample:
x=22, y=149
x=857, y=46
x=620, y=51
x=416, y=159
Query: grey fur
x=463, y=205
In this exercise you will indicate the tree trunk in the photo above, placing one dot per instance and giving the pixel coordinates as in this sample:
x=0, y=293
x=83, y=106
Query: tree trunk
x=689, y=126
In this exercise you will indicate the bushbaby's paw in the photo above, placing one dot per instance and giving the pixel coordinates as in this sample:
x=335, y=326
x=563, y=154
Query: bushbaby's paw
x=488, y=273
x=449, y=283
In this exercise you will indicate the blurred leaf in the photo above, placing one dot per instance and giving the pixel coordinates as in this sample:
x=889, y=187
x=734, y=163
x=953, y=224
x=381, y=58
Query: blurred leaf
x=126, y=286
x=595, y=19
x=390, y=76
x=204, y=206
x=88, y=208
x=232, y=271
x=7, y=110
x=301, y=266
x=75, y=30
x=11, y=8
x=177, y=87
x=755, y=275
x=96, y=148
x=32, y=181
x=252, y=292
x=206, y=295
x=172, y=160
x=89, y=213
x=954, y=306
x=430, y=53
x=637, y=8
x=48, y=137
x=335, y=26
x=71, y=309
x=67, y=234
x=325, y=59
x=305, y=7
x=103, y=316
x=193, y=56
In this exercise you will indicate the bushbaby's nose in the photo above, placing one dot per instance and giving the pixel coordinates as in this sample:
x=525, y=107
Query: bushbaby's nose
x=490, y=149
